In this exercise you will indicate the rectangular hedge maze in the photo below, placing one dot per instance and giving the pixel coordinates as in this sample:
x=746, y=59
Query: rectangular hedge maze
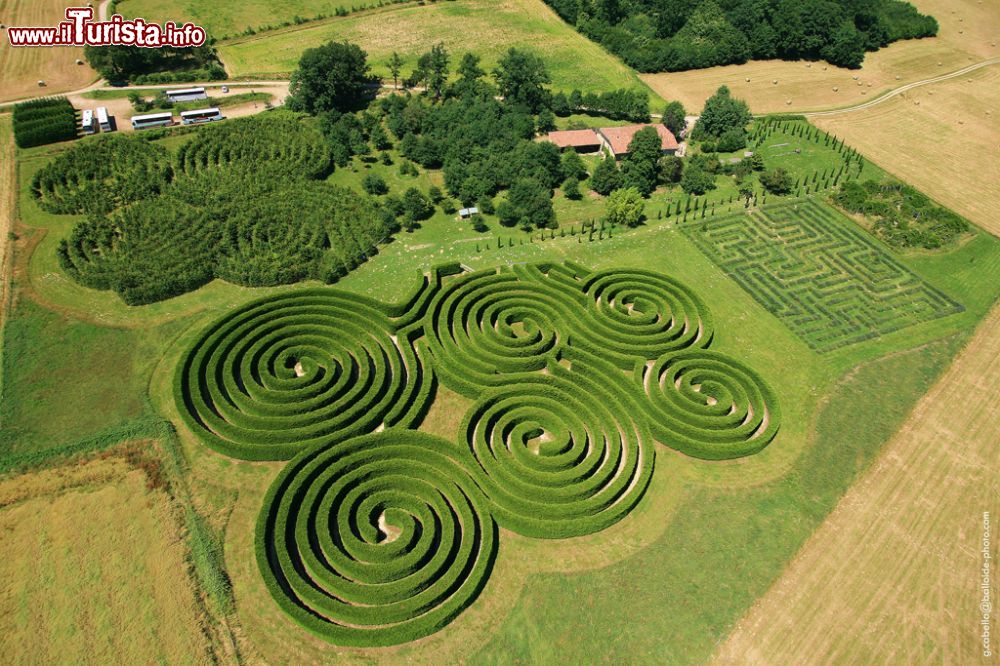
x=827, y=280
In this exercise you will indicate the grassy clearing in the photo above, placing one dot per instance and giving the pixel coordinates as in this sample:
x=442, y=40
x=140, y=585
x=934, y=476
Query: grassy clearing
x=895, y=555
x=968, y=35
x=22, y=68
x=941, y=138
x=83, y=585
x=485, y=27
x=230, y=18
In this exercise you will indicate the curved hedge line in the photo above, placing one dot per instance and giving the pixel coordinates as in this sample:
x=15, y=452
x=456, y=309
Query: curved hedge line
x=312, y=366
x=573, y=375
x=709, y=405
x=375, y=540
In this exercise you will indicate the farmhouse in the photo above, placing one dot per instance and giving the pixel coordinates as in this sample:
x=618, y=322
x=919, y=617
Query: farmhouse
x=616, y=139
x=582, y=141
x=613, y=139
x=186, y=95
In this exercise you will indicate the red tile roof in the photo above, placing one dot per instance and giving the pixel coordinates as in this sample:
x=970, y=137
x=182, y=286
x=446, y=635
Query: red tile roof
x=620, y=137
x=573, y=138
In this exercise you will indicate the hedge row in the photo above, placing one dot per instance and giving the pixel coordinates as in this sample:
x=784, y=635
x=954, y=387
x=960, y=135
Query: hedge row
x=309, y=367
x=375, y=540
x=573, y=375
x=43, y=121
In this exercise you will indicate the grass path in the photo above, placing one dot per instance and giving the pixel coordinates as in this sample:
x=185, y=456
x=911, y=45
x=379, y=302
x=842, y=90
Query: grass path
x=893, y=574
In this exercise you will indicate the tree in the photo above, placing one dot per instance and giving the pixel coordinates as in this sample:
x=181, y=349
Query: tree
x=373, y=183
x=532, y=203
x=416, y=206
x=572, y=165
x=332, y=77
x=432, y=70
x=732, y=139
x=470, y=81
x=395, y=67
x=639, y=169
x=697, y=180
x=846, y=47
x=546, y=120
x=606, y=177
x=625, y=207
x=776, y=181
x=674, y=118
x=670, y=169
x=756, y=162
x=747, y=192
x=722, y=112
x=521, y=78
x=571, y=189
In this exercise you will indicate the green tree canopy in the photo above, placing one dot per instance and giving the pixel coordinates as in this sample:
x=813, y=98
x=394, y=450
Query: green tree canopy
x=625, y=207
x=332, y=77
x=722, y=112
x=521, y=77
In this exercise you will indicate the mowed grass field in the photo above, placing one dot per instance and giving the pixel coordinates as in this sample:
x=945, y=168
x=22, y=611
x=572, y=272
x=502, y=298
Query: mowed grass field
x=893, y=575
x=230, y=18
x=943, y=138
x=969, y=33
x=94, y=571
x=485, y=27
x=22, y=68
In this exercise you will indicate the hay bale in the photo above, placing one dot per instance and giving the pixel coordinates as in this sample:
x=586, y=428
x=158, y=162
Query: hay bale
x=836, y=89
x=775, y=82
x=788, y=101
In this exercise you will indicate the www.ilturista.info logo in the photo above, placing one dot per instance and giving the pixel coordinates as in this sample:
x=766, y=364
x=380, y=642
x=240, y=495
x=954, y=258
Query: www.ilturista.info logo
x=79, y=30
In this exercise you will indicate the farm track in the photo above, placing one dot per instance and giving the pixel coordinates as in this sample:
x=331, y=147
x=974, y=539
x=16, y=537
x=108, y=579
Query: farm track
x=893, y=573
x=902, y=89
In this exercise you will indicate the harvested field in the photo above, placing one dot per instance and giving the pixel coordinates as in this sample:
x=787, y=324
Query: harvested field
x=81, y=585
x=968, y=35
x=942, y=138
x=22, y=68
x=893, y=574
x=485, y=27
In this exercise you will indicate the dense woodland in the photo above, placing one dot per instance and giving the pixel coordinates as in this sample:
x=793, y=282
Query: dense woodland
x=676, y=35
x=135, y=64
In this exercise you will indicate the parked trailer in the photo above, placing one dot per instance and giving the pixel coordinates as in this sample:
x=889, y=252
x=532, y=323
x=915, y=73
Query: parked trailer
x=186, y=95
x=201, y=116
x=87, y=123
x=102, y=119
x=152, y=120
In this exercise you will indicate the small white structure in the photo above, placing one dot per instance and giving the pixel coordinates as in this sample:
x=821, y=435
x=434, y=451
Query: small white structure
x=87, y=122
x=103, y=119
x=466, y=213
x=186, y=95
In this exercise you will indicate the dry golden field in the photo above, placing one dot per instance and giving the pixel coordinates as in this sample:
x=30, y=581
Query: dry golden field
x=943, y=138
x=22, y=68
x=970, y=30
x=893, y=574
x=80, y=585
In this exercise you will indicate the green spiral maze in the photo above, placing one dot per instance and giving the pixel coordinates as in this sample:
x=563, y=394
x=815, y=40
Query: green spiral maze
x=375, y=534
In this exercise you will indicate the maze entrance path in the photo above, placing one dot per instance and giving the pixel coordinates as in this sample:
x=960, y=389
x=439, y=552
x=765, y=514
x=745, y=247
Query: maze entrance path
x=818, y=273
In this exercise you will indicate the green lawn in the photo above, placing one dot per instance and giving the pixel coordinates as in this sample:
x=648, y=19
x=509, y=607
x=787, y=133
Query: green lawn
x=485, y=27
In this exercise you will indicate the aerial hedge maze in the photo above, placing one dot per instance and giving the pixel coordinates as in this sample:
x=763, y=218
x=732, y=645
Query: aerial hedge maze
x=826, y=280
x=376, y=534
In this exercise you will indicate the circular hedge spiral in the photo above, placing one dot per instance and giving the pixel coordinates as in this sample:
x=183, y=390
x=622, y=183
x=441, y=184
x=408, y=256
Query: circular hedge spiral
x=709, y=405
x=310, y=366
x=558, y=455
x=642, y=314
x=375, y=540
x=372, y=538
